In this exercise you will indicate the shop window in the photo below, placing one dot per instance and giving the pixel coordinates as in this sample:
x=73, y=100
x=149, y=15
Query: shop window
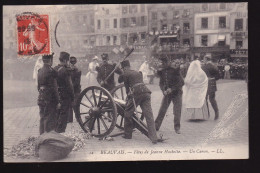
x=143, y=36
x=204, y=40
x=186, y=27
x=238, y=24
x=115, y=23
x=176, y=14
x=204, y=23
x=114, y=40
x=108, y=40
x=124, y=10
x=222, y=22
x=98, y=24
x=222, y=6
x=133, y=21
x=106, y=23
x=239, y=44
x=154, y=16
x=205, y=7
x=133, y=38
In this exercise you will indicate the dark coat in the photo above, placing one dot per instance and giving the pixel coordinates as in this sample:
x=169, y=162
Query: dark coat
x=103, y=71
x=130, y=79
x=213, y=75
x=170, y=78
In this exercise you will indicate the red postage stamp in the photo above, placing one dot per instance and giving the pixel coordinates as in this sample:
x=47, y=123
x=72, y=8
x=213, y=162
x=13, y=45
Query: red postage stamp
x=33, y=35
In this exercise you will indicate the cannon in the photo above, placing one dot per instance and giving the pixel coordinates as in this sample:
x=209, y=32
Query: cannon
x=99, y=111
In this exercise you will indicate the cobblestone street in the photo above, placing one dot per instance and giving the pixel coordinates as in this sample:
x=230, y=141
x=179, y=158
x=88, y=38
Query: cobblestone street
x=231, y=130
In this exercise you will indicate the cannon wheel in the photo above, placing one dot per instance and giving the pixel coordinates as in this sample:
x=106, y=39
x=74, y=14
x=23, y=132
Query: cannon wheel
x=119, y=92
x=96, y=111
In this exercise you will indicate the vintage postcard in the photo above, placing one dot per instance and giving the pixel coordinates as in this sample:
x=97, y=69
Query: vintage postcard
x=125, y=82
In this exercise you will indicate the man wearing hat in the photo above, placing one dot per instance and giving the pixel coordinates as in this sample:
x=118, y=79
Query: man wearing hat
x=48, y=99
x=66, y=91
x=171, y=83
x=213, y=74
x=104, y=70
x=137, y=92
x=75, y=77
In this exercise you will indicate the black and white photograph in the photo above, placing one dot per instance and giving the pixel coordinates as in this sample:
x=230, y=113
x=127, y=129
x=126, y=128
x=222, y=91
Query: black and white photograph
x=125, y=82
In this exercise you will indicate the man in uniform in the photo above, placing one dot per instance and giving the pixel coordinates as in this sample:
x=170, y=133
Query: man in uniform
x=104, y=70
x=138, y=92
x=171, y=83
x=75, y=77
x=48, y=99
x=66, y=91
x=213, y=74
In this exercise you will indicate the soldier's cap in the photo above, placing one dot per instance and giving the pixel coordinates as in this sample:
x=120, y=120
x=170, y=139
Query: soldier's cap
x=125, y=63
x=73, y=60
x=45, y=57
x=104, y=56
x=64, y=56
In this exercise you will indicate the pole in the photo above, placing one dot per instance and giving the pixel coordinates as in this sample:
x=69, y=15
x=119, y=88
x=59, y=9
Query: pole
x=119, y=64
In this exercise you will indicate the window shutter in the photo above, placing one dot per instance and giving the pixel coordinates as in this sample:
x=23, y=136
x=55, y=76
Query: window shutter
x=121, y=23
x=198, y=24
x=138, y=21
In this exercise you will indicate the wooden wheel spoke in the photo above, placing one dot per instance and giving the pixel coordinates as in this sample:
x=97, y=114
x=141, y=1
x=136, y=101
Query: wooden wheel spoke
x=101, y=106
x=89, y=100
x=94, y=97
x=92, y=125
x=85, y=105
x=86, y=121
x=122, y=93
x=98, y=124
x=84, y=113
x=100, y=97
x=121, y=121
x=104, y=124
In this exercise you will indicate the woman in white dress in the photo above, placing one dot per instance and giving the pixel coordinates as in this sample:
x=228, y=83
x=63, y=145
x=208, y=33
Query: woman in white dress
x=92, y=74
x=194, y=92
x=145, y=69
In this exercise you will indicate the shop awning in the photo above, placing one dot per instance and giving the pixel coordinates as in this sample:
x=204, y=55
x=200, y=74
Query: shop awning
x=221, y=37
x=167, y=36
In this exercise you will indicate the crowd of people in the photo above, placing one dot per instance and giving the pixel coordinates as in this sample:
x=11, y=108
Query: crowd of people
x=188, y=85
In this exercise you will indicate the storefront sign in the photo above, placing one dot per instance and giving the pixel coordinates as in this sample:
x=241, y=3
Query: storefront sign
x=239, y=51
x=239, y=14
x=139, y=47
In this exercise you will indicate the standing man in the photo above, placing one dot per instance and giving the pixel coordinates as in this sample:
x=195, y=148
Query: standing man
x=104, y=70
x=213, y=75
x=171, y=83
x=66, y=91
x=48, y=99
x=138, y=92
x=75, y=78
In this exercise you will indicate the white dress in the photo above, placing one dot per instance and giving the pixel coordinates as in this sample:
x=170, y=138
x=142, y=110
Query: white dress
x=145, y=71
x=194, y=92
x=92, y=75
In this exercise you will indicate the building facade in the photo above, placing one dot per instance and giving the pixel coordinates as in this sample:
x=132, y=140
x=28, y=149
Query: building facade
x=76, y=31
x=173, y=25
x=212, y=30
x=239, y=32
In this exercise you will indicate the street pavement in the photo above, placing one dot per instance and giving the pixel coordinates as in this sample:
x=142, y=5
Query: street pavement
x=231, y=130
